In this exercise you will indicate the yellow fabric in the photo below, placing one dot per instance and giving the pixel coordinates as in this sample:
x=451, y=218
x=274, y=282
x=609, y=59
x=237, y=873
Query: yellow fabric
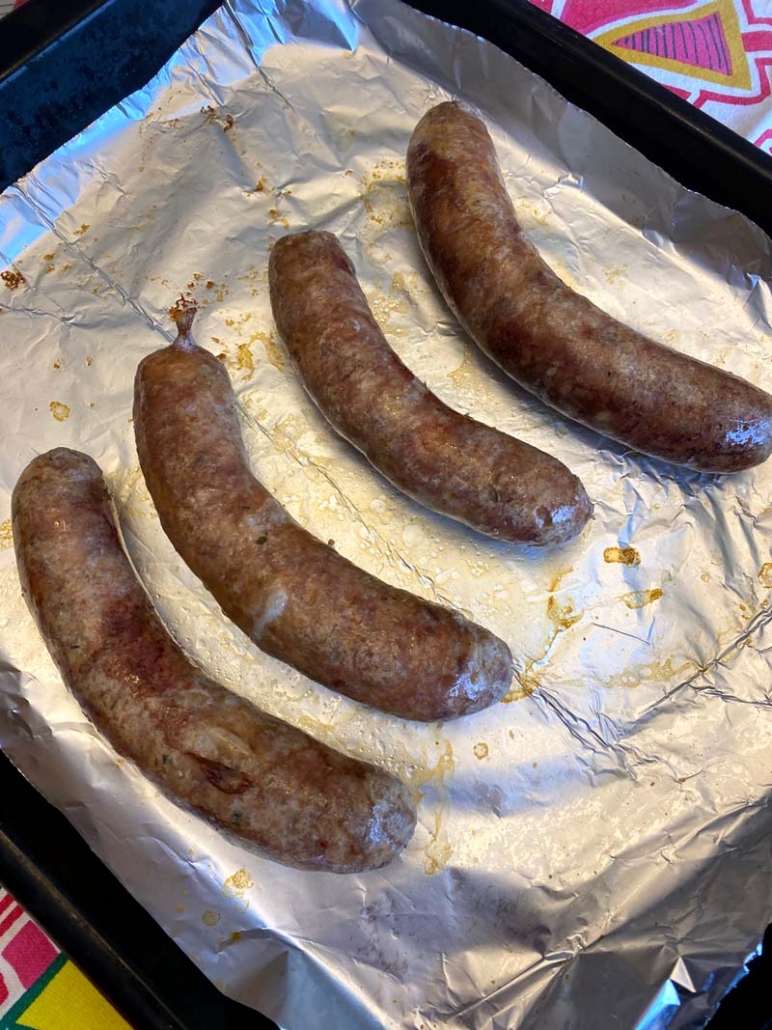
x=69, y=1002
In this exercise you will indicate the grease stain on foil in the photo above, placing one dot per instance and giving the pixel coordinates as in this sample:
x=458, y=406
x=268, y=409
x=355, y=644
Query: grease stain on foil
x=60, y=411
x=236, y=886
x=384, y=195
x=656, y=671
x=622, y=556
x=640, y=598
x=561, y=618
x=12, y=279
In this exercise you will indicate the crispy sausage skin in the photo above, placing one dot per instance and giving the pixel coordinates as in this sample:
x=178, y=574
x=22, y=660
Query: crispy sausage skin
x=441, y=458
x=293, y=595
x=552, y=341
x=297, y=800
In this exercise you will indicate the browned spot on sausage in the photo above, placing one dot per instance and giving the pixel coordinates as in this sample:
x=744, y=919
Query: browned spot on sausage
x=622, y=555
x=640, y=598
x=13, y=280
x=225, y=779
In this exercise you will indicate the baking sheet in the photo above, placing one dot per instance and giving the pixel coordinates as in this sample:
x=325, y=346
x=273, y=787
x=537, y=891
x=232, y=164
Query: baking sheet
x=594, y=852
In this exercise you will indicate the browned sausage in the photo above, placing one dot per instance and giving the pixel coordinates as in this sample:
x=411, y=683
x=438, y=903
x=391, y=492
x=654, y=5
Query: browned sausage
x=443, y=459
x=293, y=595
x=552, y=341
x=296, y=799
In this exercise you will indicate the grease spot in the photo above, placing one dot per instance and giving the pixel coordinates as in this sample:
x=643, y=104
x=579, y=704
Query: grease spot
x=765, y=574
x=84, y=228
x=384, y=198
x=640, y=598
x=13, y=280
x=562, y=617
x=480, y=750
x=241, y=880
x=244, y=360
x=439, y=850
x=273, y=352
x=622, y=556
x=61, y=412
x=421, y=776
x=613, y=274
x=6, y=535
x=656, y=671
x=209, y=918
x=277, y=218
x=558, y=578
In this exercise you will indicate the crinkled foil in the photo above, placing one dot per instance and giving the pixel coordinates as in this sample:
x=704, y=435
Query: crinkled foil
x=594, y=852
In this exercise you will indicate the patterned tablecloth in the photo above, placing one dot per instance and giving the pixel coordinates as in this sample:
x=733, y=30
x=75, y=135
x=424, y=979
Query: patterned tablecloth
x=715, y=54
x=40, y=989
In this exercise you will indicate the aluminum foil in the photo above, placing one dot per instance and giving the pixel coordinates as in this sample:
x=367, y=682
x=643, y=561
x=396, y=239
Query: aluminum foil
x=596, y=851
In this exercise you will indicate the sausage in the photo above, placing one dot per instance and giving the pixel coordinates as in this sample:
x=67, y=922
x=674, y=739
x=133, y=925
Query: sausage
x=294, y=596
x=552, y=341
x=444, y=460
x=298, y=801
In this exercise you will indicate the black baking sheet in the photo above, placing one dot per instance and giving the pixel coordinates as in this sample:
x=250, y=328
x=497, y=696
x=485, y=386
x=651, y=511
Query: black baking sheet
x=61, y=67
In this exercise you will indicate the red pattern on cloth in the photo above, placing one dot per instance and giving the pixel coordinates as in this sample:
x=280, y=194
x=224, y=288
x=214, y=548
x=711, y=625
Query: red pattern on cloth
x=717, y=54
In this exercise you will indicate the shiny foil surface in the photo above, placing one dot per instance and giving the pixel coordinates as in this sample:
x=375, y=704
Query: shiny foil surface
x=595, y=851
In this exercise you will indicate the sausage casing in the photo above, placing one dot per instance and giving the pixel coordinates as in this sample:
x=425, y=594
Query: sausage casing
x=551, y=340
x=443, y=459
x=297, y=598
x=295, y=799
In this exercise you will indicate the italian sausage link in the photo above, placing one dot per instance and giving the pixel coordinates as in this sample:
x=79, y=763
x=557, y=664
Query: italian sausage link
x=293, y=595
x=298, y=801
x=441, y=458
x=553, y=342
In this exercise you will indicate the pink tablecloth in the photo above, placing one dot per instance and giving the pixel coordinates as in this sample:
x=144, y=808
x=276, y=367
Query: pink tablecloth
x=715, y=54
